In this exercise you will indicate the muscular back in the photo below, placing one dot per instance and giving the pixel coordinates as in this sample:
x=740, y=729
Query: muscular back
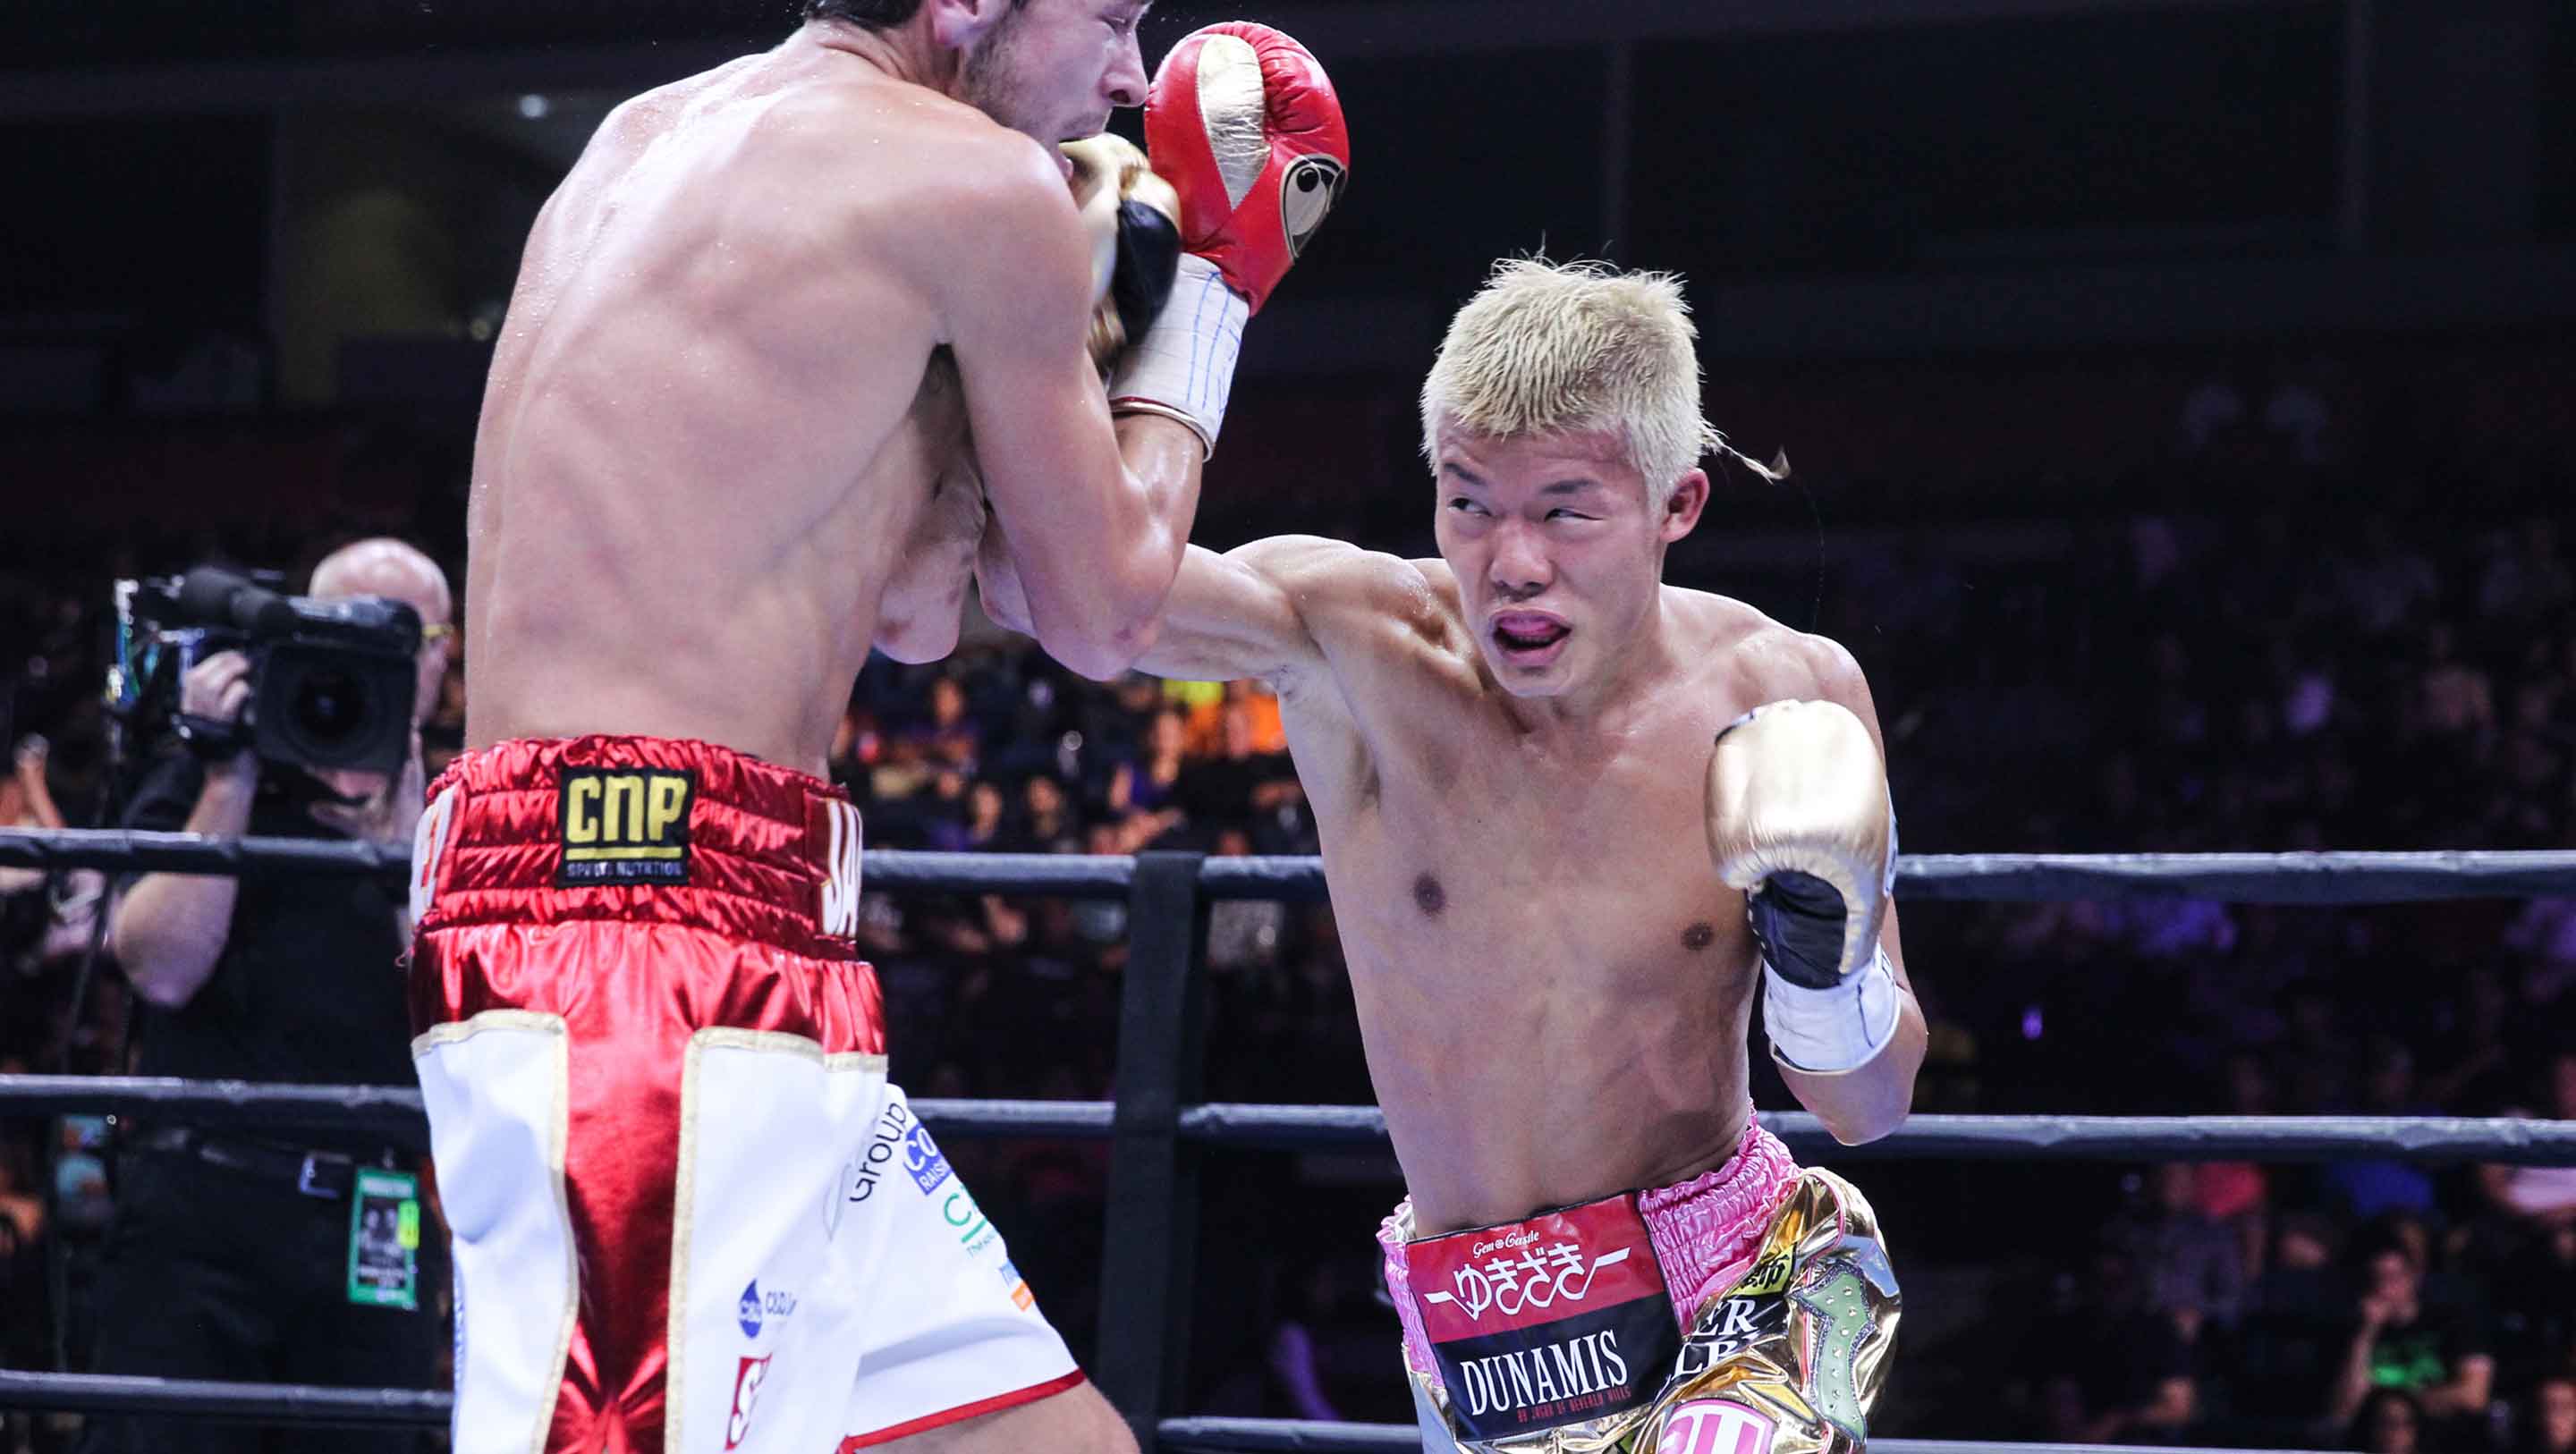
x=717, y=416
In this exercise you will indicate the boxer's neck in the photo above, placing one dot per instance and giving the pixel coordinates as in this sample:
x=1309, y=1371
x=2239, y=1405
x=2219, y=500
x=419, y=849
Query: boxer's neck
x=907, y=53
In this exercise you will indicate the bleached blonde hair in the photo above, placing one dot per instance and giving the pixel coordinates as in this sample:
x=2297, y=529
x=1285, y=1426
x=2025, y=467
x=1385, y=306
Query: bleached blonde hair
x=1548, y=347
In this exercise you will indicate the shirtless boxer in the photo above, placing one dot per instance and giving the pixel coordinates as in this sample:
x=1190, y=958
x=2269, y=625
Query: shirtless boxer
x=723, y=451
x=1509, y=754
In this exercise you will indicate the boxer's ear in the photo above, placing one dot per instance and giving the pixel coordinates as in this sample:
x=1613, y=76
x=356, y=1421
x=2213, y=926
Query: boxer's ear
x=1682, y=508
x=958, y=24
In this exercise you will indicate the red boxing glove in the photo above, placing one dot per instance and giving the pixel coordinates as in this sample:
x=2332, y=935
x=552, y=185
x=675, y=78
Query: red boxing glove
x=1244, y=123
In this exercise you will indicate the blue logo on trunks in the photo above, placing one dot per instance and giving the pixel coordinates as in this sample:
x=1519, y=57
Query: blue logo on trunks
x=921, y=1157
x=748, y=1314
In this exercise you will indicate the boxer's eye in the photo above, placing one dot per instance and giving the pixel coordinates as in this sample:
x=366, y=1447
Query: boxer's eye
x=1465, y=506
x=1568, y=515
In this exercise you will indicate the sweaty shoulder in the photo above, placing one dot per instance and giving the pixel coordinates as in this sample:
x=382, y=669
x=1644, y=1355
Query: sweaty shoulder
x=1772, y=662
x=1337, y=587
x=979, y=205
x=1329, y=605
x=932, y=175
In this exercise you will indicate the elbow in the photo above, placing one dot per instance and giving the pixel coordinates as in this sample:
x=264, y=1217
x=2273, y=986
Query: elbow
x=1106, y=644
x=165, y=976
x=1095, y=657
x=161, y=984
x=1859, y=1128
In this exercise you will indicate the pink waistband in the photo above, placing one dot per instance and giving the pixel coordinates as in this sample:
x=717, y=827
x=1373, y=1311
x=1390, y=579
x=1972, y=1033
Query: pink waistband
x=1705, y=1230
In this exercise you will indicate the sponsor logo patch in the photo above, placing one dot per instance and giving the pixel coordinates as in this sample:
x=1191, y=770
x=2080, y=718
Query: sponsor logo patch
x=746, y=1388
x=883, y=1143
x=1559, y=1319
x=922, y=1158
x=839, y=916
x=623, y=825
x=1021, y=1297
x=428, y=845
x=1715, y=1426
x=757, y=1308
x=1309, y=190
x=975, y=1231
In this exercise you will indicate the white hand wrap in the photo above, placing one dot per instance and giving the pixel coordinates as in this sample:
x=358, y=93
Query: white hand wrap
x=1825, y=1032
x=1183, y=368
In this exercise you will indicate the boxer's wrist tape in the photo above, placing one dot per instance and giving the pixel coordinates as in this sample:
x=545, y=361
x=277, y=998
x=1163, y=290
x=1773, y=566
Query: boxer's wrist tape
x=1183, y=368
x=1831, y=1030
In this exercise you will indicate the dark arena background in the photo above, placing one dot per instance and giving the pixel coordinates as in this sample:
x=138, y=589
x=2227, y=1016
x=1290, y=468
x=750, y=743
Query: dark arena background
x=2181, y=400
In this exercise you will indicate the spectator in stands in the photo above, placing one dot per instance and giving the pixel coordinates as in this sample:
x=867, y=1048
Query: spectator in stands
x=2193, y=1266
x=2111, y=1370
x=1243, y=786
x=950, y=737
x=2292, y=1336
x=1048, y=822
x=43, y=917
x=2472, y=1059
x=2545, y=1195
x=1142, y=788
x=980, y=830
x=2370, y=1186
x=2531, y=1276
x=2389, y=1421
x=2434, y=1351
x=2550, y=1425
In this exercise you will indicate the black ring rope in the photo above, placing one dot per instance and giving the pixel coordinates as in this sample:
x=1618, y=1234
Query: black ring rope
x=396, y=1112
x=2267, y=878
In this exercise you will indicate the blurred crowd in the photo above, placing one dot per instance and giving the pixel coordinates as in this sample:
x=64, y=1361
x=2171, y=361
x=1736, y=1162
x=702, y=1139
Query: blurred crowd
x=2265, y=679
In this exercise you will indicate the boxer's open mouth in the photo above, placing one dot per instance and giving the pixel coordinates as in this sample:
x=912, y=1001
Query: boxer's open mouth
x=1529, y=638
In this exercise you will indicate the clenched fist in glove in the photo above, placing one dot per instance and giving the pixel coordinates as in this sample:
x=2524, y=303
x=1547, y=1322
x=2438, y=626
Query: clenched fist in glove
x=1799, y=819
x=1134, y=218
x=1244, y=123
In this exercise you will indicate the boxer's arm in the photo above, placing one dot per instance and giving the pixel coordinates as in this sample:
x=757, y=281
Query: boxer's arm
x=1091, y=520
x=1276, y=610
x=1871, y=1099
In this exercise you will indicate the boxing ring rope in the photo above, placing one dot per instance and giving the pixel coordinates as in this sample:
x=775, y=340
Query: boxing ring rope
x=2312, y=879
x=1158, y=1127
x=395, y=1114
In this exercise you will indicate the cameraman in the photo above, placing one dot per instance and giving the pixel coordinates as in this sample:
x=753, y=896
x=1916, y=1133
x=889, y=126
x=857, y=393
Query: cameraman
x=235, y=1255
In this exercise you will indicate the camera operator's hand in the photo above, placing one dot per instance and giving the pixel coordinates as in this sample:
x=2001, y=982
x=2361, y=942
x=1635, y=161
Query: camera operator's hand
x=219, y=690
x=168, y=930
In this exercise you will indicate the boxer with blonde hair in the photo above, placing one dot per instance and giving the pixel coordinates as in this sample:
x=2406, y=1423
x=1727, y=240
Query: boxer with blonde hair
x=1574, y=821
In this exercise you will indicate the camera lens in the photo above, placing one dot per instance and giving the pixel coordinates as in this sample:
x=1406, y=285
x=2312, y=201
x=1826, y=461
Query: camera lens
x=329, y=705
x=323, y=705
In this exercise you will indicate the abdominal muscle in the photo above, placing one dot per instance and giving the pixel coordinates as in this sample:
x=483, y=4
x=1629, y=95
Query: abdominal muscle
x=1515, y=1085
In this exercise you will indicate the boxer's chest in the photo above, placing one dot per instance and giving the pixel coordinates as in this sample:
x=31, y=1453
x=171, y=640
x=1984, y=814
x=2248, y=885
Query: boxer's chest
x=1492, y=858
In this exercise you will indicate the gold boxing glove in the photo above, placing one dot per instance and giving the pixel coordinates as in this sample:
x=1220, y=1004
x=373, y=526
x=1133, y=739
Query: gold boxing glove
x=1133, y=218
x=1799, y=819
